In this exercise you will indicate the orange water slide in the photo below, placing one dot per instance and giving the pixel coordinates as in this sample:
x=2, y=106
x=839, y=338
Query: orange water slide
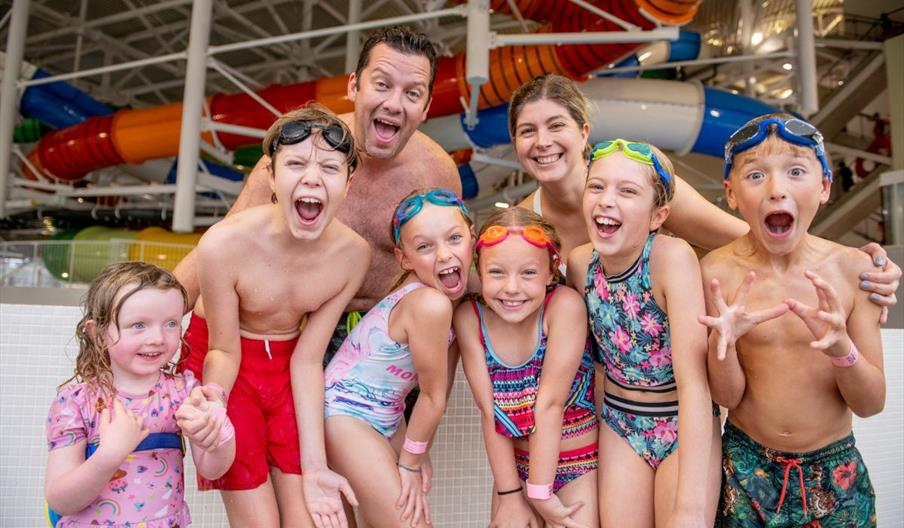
x=134, y=136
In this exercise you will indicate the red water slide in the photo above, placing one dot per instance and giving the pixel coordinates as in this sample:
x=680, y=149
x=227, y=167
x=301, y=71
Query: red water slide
x=134, y=136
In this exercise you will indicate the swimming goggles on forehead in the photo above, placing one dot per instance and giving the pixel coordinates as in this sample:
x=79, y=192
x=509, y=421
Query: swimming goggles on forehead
x=297, y=131
x=794, y=131
x=533, y=235
x=411, y=206
x=639, y=152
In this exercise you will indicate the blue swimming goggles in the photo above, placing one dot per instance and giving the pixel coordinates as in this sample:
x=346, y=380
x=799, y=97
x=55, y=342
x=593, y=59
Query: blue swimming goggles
x=411, y=206
x=794, y=131
x=639, y=152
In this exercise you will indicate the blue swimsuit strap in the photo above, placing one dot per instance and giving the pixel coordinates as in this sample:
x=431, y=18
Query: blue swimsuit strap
x=152, y=441
x=485, y=337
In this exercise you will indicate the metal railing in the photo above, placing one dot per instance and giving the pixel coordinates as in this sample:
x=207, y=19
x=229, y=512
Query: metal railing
x=63, y=263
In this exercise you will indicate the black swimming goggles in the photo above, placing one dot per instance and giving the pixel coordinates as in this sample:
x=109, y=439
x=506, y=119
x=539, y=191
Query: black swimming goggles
x=794, y=131
x=297, y=131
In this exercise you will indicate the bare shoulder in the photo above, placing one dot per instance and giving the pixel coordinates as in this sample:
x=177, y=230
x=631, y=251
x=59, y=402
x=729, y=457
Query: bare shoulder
x=464, y=313
x=850, y=261
x=578, y=262
x=232, y=234
x=427, y=304
x=348, y=240
x=432, y=157
x=719, y=262
x=669, y=250
x=566, y=302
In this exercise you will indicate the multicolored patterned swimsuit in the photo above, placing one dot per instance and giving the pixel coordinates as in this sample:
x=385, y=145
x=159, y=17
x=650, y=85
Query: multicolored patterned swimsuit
x=371, y=374
x=762, y=487
x=632, y=337
x=148, y=487
x=515, y=393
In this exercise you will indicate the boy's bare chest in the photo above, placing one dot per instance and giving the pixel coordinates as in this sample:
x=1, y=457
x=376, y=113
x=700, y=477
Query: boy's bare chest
x=286, y=287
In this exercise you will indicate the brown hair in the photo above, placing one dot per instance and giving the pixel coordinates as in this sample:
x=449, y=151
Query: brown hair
x=403, y=40
x=662, y=195
x=313, y=113
x=103, y=302
x=521, y=217
x=556, y=88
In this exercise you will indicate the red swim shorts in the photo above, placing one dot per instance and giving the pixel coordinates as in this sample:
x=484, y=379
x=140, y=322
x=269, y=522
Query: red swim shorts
x=260, y=407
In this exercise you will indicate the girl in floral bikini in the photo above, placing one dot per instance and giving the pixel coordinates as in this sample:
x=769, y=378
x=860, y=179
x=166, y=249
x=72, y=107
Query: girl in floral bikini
x=643, y=293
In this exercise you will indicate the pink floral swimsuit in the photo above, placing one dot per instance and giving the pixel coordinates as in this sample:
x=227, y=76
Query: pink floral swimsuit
x=147, y=490
x=632, y=337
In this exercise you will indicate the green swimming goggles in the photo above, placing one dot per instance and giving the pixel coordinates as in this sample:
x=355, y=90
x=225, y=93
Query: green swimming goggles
x=639, y=152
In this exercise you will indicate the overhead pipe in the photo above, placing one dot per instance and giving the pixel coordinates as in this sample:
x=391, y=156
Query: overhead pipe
x=134, y=136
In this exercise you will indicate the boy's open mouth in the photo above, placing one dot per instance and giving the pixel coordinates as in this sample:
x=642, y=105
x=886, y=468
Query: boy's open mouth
x=308, y=209
x=779, y=223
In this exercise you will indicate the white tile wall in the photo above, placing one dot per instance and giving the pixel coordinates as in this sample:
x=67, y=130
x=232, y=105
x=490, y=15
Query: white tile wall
x=37, y=352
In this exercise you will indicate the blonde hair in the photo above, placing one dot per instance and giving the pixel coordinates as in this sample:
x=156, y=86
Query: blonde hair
x=103, y=302
x=556, y=88
x=520, y=217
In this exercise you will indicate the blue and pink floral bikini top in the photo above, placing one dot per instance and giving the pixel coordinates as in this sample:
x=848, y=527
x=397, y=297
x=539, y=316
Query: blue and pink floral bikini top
x=630, y=329
x=515, y=387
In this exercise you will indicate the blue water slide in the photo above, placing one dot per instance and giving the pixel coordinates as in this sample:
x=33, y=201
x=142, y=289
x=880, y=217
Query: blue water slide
x=59, y=104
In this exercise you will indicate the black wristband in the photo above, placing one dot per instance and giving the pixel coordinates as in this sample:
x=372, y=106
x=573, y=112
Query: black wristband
x=409, y=468
x=509, y=492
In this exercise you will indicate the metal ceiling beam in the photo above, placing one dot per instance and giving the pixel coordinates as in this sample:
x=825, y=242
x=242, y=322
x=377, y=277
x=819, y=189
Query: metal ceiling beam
x=70, y=24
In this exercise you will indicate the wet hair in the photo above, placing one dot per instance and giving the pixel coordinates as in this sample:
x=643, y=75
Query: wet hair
x=403, y=40
x=662, y=195
x=316, y=114
x=556, y=88
x=521, y=217
x=103, y=302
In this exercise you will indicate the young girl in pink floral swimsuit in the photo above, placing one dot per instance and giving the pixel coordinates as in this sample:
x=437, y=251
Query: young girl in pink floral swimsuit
x=115, y=447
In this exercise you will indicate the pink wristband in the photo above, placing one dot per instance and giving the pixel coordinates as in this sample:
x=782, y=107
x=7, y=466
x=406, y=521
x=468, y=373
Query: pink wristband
x=414, y=447
x=219, y=388
x=227, y=431
x=539, y=491
x=848, y=360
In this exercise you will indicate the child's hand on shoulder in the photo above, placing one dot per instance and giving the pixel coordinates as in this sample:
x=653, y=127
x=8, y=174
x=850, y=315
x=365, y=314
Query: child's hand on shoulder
x=827, y=321
x=120, y=431
x=734, y=320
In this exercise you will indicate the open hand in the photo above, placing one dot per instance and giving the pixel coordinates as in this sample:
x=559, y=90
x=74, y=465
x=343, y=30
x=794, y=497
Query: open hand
x=556, y=514
x=734, y=321
x=321, y=495
x=514, y=512
x=412, y=499
x=120, y=431
x=827, y=321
